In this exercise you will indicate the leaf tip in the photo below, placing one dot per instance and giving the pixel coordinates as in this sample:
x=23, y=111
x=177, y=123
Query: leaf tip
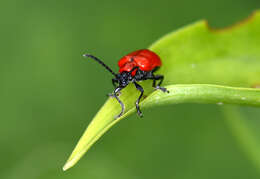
x=71, y=162
x=67, y=165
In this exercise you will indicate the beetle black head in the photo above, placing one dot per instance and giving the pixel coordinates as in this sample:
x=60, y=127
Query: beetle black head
x=124, y=78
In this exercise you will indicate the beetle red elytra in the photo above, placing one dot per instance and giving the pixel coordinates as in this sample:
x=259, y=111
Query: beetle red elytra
x=134, y=67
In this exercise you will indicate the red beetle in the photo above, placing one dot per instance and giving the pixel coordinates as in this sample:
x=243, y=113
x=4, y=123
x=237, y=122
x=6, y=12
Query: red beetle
x=136, y=66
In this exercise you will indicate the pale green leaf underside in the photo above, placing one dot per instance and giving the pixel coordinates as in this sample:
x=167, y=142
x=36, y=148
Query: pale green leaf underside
x=205, y=61
x=246, y=131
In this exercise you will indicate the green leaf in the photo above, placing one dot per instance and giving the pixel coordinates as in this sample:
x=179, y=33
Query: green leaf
x=195, y=55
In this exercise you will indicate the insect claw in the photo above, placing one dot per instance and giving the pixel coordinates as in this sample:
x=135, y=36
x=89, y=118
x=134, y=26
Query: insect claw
x=162, y=89
x=111, y=95
x=118, y=116
x=140, y=114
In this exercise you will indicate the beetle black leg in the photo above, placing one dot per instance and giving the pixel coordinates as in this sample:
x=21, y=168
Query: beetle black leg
x=159, y=77
x=116, y=91
x=138, y=87
x=114, y=82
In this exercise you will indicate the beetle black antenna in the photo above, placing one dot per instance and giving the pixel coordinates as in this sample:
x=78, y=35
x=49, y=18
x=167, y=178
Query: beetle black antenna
x=100, y=62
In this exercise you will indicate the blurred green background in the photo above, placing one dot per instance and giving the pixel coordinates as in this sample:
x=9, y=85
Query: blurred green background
x=49, y=93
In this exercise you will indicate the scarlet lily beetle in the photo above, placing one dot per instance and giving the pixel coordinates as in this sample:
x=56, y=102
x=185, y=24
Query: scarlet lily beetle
x=136, y=66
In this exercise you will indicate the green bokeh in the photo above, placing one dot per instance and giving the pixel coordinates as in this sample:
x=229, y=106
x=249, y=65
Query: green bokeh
x=49, y=93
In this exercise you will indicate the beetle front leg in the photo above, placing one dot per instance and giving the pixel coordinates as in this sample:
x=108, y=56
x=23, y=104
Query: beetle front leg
x=138, y=87
x=114, y=95
x=115, y=84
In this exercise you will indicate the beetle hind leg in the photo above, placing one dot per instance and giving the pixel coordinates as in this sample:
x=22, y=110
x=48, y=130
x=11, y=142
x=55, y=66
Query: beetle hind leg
x=158, y=86
x=162, y=89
